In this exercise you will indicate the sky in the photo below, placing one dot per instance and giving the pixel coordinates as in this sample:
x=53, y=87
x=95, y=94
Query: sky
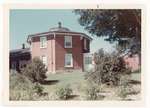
x=26, y=22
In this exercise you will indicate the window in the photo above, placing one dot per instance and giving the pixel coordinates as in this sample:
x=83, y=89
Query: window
x=43, y=42
x=88, y=60
x=68, y=60
x=44, y=59
x=68, y=41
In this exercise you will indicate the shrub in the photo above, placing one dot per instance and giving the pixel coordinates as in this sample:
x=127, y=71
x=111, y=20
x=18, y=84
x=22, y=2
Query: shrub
x=21, y=88
x=63, y=93
x=91, y=93
x=35, y=71
x=38, y=89
x=124, y=88
x=108, y=70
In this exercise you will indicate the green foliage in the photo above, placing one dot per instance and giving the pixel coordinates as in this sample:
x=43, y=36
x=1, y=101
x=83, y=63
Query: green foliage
x=104, y=22
x=91, y=92
x=35, y=71
x=108, y=70
x=124, y=88
x=113, y=25
x=38, y=89
x=21, y=81
x=21, y=88
x=63, y=93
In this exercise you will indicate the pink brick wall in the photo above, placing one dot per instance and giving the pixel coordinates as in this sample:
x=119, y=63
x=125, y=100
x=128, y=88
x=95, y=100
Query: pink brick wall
x=36, y=51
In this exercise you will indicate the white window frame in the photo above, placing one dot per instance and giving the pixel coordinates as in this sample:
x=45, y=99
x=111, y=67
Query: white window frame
x=71, y=60
x=42, y=44
x=44, y=62
x=85, y=44
x=68, y=39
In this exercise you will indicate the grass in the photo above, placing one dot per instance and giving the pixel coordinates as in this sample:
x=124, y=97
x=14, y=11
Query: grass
x=74, y=79
x=67, y=78
x=78, y=84
x=136, y=76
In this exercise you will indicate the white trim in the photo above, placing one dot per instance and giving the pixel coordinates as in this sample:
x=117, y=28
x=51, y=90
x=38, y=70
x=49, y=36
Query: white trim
x=68, y=39
x=69, y=54
x=72, y=34
x=85, y=44
x=45, y=44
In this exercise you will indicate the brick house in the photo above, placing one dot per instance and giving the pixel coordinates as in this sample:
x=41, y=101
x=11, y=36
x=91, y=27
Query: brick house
x=60, y=48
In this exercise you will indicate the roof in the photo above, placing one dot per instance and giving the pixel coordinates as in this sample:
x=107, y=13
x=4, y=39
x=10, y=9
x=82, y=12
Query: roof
x=60, y=29
x=19, y=51
x=57, y=30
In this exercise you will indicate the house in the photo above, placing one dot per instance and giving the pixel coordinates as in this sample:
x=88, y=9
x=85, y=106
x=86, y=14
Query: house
x=60, y=49
x=19, y=58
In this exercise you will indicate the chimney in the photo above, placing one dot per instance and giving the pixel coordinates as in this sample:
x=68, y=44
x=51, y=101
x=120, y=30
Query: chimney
x=59, y=24
x=23, y=46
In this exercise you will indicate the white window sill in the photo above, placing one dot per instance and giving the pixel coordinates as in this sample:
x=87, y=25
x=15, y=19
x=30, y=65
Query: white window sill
x=68, y=47
x=43, y=47
x=68, y=66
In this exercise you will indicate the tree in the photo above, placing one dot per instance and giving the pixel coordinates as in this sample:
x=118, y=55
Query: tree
x=109, y=68
x=35, y=71
x=114, y=24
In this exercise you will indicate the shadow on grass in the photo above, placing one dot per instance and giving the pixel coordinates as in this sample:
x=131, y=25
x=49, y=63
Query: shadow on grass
x=133, y=93
x=128, y=99
x=72, y=97
x=134, y=82
x=49, y=82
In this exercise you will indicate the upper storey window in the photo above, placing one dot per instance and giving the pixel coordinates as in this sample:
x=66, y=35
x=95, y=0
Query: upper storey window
x=68, y=42
x=43, y=42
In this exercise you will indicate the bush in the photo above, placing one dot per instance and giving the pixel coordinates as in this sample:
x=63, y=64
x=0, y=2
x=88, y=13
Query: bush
x=91, y=93
x=108, y=70
x=35, y=71
x=124, y=87
x=21, y=88
x=63, y=93
x=38, y=89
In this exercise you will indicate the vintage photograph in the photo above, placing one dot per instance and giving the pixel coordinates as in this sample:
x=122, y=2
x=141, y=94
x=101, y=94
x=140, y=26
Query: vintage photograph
x=75, y=54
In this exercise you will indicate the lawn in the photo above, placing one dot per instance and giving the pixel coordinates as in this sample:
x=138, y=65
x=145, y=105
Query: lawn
x=76, y=81
x=67, y=78
x=26, y=90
